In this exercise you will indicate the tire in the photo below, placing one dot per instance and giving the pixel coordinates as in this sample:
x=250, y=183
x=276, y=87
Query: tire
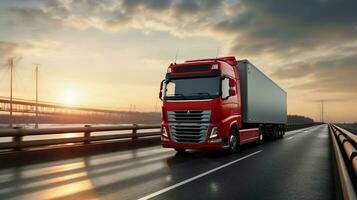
x=232, y=142
x=261, y=136
x=180, y=151
x=275, y=133
x=281, y=131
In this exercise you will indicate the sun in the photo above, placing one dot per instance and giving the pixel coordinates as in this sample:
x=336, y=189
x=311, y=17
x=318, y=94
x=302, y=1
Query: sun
x=69, y=96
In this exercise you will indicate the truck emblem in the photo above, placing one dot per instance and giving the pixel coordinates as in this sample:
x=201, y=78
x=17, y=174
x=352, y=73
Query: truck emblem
x=188, y=112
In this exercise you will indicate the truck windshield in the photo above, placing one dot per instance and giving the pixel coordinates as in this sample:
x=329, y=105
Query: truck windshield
x=192, y=88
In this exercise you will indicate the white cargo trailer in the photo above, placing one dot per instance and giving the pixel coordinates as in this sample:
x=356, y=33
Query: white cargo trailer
x=263, y=101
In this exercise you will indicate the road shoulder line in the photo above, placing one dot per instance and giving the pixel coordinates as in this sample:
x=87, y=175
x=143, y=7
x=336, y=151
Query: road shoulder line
x=197, y=177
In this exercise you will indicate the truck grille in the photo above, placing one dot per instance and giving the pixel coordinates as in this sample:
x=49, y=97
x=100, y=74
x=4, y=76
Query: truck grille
x=189, y=126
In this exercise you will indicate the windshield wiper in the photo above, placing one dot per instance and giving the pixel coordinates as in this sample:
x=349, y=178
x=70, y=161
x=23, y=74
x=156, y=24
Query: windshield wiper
x=179, y=95
x=176, y=95
x=204, y=93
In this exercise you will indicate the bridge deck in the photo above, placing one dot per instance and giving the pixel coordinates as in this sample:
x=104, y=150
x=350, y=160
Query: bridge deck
x=296, y=167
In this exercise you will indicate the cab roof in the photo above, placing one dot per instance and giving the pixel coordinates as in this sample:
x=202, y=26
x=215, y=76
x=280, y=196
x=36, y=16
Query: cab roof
x=228, y=59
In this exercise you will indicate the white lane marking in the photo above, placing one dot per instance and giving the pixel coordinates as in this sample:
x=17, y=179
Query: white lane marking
x=298, y=131
x=196, y=177
x=295, y=132
x=289, y=138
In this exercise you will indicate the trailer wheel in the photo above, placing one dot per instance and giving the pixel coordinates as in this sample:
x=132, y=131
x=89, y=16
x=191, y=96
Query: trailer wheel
x=276, y=132
x=281, y=131
x=284, y=130
x=232, y=142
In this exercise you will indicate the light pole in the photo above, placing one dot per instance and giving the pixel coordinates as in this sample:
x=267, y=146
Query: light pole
x=11, y=63
x=322, y=111
x=37, y=120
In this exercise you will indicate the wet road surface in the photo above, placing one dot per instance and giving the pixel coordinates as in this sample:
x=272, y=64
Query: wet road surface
x=296, y=167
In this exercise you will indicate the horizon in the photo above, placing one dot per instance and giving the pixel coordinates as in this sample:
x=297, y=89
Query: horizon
x=115, y=53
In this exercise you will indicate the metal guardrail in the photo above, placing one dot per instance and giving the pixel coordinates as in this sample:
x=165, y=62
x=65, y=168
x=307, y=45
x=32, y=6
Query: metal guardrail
x=344, y=145
x=17, y=135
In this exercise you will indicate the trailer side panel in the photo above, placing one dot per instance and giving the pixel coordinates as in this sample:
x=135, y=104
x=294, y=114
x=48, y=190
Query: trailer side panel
x=263, y=101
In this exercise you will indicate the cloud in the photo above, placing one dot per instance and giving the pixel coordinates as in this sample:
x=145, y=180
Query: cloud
x=159, y=5
x=269, y=26
x=11, y=50
x=34, y=18
x=28, y=48
x=179, y=17
x=301, y=36
x=7, y=48
x=283, y=28
x=280, y=29
x=327, y=74
x=311, y=43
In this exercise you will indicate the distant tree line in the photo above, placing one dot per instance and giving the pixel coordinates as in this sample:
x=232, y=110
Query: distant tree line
x=351, y=127
x=298, y=119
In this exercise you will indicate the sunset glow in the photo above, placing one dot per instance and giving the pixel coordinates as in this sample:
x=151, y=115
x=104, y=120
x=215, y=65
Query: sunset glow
x=69, y=96
x=117, y=52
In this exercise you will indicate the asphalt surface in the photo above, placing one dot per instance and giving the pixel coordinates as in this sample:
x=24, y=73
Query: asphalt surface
x=296, y=167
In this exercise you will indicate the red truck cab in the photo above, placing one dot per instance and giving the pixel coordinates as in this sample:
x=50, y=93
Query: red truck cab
x=202, y=106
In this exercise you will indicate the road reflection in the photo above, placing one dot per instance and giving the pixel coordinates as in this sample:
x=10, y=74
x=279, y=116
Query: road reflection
x=128, y=174
x=81, y=178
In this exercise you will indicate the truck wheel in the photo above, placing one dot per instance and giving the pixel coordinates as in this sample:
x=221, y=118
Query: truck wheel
x=284, y=130
x=275, y=133
x=261, y=136
x=232, y=142
x=281, y=131
x=180, y=151
x=278, y=131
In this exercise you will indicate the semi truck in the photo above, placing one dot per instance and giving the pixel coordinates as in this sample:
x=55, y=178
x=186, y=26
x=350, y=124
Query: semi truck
x=219, y=104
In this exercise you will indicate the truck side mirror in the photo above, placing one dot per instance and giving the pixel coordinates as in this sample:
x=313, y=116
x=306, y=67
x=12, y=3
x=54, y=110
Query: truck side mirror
x=161, y=86
x=225, y=88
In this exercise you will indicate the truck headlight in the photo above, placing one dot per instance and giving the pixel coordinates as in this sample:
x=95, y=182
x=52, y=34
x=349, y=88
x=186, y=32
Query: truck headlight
x=214, y=66
x=213, y=132
x=164, y=132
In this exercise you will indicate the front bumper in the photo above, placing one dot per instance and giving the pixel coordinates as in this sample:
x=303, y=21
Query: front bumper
x=203, y=146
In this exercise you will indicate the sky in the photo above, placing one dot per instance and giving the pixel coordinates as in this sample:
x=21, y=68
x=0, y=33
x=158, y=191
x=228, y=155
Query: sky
x=107, y=53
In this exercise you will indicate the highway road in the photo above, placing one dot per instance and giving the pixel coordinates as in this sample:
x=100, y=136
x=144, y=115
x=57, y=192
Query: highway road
x=296, y=167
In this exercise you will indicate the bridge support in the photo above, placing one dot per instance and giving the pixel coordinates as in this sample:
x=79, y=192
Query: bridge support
x=135, y=128
x=17, y=139
x=87, y=134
